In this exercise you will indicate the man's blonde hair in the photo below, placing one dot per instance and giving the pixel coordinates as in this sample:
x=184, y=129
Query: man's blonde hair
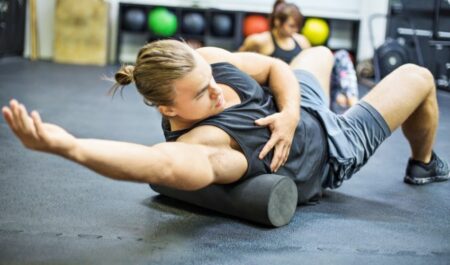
x=158, y=65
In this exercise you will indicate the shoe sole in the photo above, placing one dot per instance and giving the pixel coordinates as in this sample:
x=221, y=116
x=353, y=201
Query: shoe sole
x=422, y=181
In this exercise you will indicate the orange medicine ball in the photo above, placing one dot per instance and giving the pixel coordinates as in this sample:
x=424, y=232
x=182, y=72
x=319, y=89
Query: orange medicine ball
x=255, y=24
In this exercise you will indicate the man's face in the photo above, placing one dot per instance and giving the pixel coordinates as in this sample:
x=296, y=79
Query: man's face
x=197, y=96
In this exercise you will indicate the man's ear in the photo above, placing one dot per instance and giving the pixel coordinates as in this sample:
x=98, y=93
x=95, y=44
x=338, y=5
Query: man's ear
x=167, y=111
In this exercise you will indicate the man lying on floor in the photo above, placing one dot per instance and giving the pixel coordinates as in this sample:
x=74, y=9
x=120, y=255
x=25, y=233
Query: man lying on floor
x=230, y=116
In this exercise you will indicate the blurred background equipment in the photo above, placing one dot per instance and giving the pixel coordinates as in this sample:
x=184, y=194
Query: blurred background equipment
x=135, y=19
x=12, y=27
x=206, y=24
x=255, y=24
x=162, y=22
x=390, y=55
x=316, y=30
x=193, y=23
x=416, y=32
x=81, y=32
x=393, y=52
x=221, y=25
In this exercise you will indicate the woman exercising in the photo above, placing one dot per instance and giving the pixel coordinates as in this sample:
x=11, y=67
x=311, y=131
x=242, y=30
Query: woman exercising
x=283, y=42
x=222, y=123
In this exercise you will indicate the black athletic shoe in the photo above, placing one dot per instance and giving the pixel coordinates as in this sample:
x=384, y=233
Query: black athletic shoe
x=419, y=173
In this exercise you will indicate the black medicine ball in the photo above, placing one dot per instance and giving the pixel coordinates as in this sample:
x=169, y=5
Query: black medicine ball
x=193, y=23
x=222, y=25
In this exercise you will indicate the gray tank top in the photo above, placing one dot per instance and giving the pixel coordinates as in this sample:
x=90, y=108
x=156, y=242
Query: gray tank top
x=308, y=153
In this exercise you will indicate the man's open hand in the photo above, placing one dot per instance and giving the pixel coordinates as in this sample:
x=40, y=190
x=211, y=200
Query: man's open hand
x=282, y=126
x=33, y=133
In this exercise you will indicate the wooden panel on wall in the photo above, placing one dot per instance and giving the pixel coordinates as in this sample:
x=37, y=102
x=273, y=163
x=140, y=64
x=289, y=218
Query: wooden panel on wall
x=81, y=32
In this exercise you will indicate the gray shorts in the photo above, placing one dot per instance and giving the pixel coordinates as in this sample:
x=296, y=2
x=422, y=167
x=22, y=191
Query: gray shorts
x=352, y=137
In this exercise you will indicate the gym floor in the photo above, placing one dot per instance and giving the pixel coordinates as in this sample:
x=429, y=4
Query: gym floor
x=53, y=211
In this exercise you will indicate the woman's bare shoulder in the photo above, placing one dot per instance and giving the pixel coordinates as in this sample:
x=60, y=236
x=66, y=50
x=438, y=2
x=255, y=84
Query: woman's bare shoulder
x=256, y=42
x=302, y=41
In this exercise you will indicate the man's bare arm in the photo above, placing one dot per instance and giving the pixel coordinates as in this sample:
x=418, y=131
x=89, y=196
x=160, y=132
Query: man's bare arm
x=177, y=165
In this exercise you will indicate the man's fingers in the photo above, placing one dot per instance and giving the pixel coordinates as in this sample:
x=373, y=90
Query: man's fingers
x=21, y=118
x=8, y=115
x=38, y=124
x=269, y=145
x=278, y=158
x=16, y=114
x=274, y=165
x=286, y=154
x=25, y=119
x=264, y=121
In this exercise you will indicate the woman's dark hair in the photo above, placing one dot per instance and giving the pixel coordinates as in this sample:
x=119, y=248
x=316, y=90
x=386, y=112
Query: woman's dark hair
x=282, y=11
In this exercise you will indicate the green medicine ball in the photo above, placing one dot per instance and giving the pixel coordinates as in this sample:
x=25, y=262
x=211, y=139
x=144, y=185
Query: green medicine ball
x=162, y=22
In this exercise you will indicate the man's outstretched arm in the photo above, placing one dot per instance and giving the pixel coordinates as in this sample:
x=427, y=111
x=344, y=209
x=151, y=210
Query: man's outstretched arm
x=177, y=165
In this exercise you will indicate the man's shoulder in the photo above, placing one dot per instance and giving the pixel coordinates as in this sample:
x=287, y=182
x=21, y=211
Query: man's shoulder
x=206, y=135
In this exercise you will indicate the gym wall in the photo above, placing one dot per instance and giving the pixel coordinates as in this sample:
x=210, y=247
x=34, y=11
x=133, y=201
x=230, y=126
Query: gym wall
x=343, y=9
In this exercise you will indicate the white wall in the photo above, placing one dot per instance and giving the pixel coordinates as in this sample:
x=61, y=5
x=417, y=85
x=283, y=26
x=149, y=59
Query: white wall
x=370, y=7
x=344, y=9
x=45, y=15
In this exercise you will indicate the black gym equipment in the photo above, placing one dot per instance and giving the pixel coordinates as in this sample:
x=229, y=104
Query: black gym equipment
x=193, y=23
x=441, y=43
x=135, y=20
x=390, y=55
x=422, y=32
x=267, y=199
x=221, y=25
x=393, y=52
x=12, y=27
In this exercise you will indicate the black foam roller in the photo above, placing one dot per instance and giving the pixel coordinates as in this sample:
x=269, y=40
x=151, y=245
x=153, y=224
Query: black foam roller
x=267, y=199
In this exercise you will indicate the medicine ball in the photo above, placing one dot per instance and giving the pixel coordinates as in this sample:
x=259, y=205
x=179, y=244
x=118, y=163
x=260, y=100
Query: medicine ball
x=222, y=25
x=255, y=24
x=134, y=20
x=316, y=30
x=162, y=22
x=193, y=23
x=390, y=55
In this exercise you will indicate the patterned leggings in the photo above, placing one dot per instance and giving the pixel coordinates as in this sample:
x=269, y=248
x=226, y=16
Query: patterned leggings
x=343, y=76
